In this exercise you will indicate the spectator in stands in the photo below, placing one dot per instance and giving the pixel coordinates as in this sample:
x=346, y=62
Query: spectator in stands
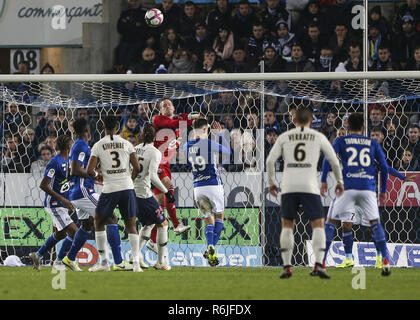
x=257, y=43
x=218, y=17
x=412, y=143
x=406, y=41
x=134, y=32
x=311, y=16
x=384, y=61
x=223, y=43
x=375, y=118
x=325, y=61
x=414, y=62
x=273, y=12
x=330, y=125
x=61, y=123
x=189, y=18
x=287, y=122
x=271, y=136
x=355, y=60
x=377, y=135
x=408, y=162
x=172, y=14
x=375, y=41
x=23, y=67
x=272, y=61
x=411, y=7
x=225, y=103
x=249, y=143
x=50, y=142
x=242, y=22
x=132, y=139
x=312, y=42
x=41, y=127
x=38, y=166
x=170, y=42
x=298, y=63
x=131, y=127
x=239, y=63
x=339, y=41
x=319, y=108
x=228, y=122
x=28, y=149
x=11, y=161
x=47, y=69
x=83, y=113
x=375, y=17
x=210, y=62
x=144, y=113
x=200, y=42
x=339, y=13
x=270, y=121
x=148, y=63
x=182, y=62
x=12, y=118
x=283, y=40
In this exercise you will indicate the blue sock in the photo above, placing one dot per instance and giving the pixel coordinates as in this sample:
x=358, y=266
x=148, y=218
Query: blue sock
x=209, y=234
x=48, y=244
x=379, y=239
x=329, y=235
x=114, y=241
x=65, y=247
x=348, y=244
x=79, y=240
x=218, y=227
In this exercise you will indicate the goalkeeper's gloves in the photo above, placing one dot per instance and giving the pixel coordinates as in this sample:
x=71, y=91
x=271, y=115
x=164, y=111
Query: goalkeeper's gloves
x=194, y=115
x=170, y=196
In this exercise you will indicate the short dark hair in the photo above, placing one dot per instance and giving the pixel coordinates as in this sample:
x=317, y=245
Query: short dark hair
x=110, y=122
x=148, y=133
x=303, y=114
x=414, y=125
x=45, y=148
x=62, y=142
x=199, y=123
x=356, y=121
x=80, y=126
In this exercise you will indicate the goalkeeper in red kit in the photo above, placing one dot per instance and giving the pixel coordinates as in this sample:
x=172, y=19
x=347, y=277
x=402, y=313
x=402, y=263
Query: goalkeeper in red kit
x=167, y=140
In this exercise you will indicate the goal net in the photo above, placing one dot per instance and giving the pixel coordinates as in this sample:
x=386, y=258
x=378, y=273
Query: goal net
x=253, y=110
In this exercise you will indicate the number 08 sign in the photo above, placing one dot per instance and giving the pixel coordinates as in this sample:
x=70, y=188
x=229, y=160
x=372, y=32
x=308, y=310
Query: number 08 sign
x=31, y=56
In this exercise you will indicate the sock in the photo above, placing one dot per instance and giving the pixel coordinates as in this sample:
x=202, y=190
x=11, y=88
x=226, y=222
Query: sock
x=134, y=244
x=329, y=236
x=287, y=242
x=170, y=207
x=100, y=237
x=209, y=231
x=65, y=247
x=153, y=234
x=218, y=227
x=379, y=238
x=144, y=236
x=348, y=244
x=318, y=244
x=378, y=251
x=162, y=241
x=79, y=240
x=114, y=241
x=48, y=244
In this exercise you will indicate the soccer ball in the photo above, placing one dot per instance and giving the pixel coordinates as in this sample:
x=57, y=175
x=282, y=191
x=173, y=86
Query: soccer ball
x=153, y=17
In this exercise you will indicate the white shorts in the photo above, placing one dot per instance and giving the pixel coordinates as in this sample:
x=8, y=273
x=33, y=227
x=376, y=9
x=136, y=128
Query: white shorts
x=210, y=200
x=60, y=217
x=357, y=206
x=85, y=207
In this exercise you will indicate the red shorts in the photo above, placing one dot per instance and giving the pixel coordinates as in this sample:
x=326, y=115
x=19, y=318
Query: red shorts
x=163, y=171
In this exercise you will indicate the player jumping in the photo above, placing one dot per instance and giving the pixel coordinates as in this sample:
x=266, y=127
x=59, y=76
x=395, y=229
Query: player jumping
x=56, y=203
x=203, y=155
x=149, y=211
x=301, y=148
x=168, y=130
x=115, y=155
x=358, y=155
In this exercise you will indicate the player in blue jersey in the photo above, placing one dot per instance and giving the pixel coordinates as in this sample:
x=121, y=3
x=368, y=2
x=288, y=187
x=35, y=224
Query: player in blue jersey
x=358, y=219
x=202, y=154
x=56, y=203
x=360, y=157
x=82, y=192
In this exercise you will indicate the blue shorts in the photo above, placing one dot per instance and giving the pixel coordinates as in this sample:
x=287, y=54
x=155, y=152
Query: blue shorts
x=311, y=203
x=149, y=211
x=125, y=200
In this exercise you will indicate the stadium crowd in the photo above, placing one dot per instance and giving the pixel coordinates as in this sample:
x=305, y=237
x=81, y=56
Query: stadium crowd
x=237, y=38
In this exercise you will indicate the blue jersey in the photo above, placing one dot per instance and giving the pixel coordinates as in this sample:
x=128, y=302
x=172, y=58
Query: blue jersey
x=80, y=187
x=56, y=172
x=203, y=156
x=360, y=157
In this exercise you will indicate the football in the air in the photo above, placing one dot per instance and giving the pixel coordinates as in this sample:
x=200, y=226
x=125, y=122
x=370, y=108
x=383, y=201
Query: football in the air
x=154, y=17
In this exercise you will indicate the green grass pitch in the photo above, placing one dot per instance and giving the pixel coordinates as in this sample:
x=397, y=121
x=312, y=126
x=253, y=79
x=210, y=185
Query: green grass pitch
x=183, y=283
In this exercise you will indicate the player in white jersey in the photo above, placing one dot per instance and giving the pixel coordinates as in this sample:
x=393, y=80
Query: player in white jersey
x=115, y=154
x=149, y=212
x=301, y=148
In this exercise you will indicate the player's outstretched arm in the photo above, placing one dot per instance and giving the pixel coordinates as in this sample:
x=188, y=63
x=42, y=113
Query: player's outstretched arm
x=77, y=170
x=330, y=155
x=93, y=162
x=45, y=186
x=383, y=166
x=395, y=173
x=135, y=164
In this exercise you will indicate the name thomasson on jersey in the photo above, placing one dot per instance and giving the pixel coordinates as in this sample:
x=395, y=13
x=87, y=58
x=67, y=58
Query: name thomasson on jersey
x=362, y=141
x=113, y=145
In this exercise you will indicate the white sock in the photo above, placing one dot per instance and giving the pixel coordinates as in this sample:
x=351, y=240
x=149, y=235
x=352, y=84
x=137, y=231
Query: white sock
x=162, y=240
x=318, y=244
x=287, y=242
x=100, y=237
x=134, y=244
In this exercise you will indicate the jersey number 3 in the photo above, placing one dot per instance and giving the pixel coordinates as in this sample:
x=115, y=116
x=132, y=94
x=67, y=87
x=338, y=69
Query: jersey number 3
x=116, y=158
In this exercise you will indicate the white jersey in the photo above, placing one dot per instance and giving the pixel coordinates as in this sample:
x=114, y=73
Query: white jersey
x=114, y=157
x=301, y=148
x=149, y=158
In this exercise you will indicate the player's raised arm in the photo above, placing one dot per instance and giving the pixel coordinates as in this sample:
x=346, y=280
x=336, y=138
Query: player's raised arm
x=273, y=156
x=223, y=148
x=383, y=168
x=154, y=178
x=330, y=156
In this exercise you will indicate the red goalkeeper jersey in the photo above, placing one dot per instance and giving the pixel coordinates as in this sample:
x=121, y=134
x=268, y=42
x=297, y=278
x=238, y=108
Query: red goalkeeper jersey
x=168, y=141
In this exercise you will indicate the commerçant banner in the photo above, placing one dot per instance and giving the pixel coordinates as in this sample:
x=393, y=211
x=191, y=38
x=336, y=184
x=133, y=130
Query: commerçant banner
x=39, y=23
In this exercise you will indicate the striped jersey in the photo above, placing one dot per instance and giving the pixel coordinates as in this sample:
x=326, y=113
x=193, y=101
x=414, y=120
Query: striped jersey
x=80, y=187
x=56, y=172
